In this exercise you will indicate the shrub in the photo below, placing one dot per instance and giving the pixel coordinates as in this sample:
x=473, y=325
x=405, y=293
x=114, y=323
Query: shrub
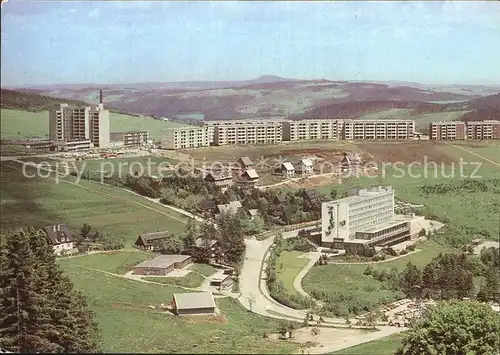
x=403, y=252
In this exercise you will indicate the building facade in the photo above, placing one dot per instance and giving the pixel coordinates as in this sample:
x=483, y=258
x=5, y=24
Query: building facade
x=447, y=130
x=365, y=218
x=242, y=132
x=186, y=137
x=489, y=129
x=80, y=124
x=131, y=138
x=312, y=129
x=377, y=129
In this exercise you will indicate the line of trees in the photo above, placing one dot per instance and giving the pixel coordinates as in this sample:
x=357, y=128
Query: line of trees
x=40, y=311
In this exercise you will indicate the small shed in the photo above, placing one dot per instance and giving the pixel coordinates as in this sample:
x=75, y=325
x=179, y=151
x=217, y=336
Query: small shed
x=250, y=176
x=222, y=280
x=193, y=303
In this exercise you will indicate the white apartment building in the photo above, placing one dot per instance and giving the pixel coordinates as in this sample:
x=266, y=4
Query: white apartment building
x=312, y=129
x=378, y=129
x=80, y=124
x=185, y=137
x=365, y=217
x=241, y=132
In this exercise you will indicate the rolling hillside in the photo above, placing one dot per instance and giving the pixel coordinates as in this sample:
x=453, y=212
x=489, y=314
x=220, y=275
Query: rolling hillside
x=267, y=96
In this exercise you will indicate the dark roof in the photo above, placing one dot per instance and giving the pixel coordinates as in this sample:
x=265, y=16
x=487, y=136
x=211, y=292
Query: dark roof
x=58, y=233
x=207, y=205
x=311, y=195
x=150, y=238
x=281, y=198
x=219, y=175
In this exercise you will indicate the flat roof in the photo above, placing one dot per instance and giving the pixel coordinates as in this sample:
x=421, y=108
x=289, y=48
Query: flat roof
x=163, y=261
x=382, y=226
x=364, y=194
x=194, y=300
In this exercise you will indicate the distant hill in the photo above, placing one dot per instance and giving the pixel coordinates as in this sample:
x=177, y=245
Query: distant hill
x=484, y=108
x=33, y=102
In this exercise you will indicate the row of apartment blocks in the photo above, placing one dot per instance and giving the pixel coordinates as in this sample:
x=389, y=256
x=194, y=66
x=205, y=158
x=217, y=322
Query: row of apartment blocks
x=271, y=131
x=458, y=130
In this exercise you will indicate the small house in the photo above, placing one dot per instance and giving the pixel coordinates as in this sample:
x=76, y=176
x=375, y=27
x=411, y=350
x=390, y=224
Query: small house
x=223, y=179
x=286, y=169
x=232, y=207
x=244, y=163
x=350, y=162
x=306, y=166
x=211, y=251
x=151, y=241
x=207, y=207
x=61, y=238
x=252, y=213
x=250, y=177
x=162, y=265
x=222, y=281
x=193, y=303
x=280, y=199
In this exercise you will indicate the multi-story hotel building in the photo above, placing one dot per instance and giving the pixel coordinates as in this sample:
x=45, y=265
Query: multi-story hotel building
x=447, y=130
x=311, y=129
x=80, y=124
x=366, y=217
x=378, y=129
x=489, y=129
x=185, y=137
x=241, y=132
x=131, y=138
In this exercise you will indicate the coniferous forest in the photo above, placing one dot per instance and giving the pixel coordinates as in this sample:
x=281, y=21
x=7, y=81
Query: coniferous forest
x=40, y=311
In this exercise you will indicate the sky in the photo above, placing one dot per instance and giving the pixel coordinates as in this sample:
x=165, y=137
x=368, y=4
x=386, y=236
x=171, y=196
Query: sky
x=116, y=42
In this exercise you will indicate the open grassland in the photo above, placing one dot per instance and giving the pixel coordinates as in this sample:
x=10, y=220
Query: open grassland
x=421, y=120
x=288, y=267
x=191, y=280
x=203, y=269
x=354, y=289
x=256, y=152
x=17, y=124
x=128, y=325
x=385, y=346
x=117, y=262
x=148, y=166
x=41, y=201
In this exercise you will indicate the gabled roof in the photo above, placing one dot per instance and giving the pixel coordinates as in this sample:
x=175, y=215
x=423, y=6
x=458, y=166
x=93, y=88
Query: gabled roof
x=253, y=212
x=194, y=300
x=231, y=207
x=311, y=195
x=58, y=233
x=252, y=174
x=288, y=166
x=281, y=198
x=219, y=175
x=207, y=204
x=246, y=161
x=307, y=162
x=150, y=238
x=351, y=158
x=199, y=242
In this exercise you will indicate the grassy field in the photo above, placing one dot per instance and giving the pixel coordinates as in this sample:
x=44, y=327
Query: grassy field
x=385, y=346
x=118, y=262
x=128, y=325
x=191, y=280
x=204, y=269
x=17, y=124
x=349, y=284
x=40, y=201
x=421, y=121
x=288, y=267
x=146, y=165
